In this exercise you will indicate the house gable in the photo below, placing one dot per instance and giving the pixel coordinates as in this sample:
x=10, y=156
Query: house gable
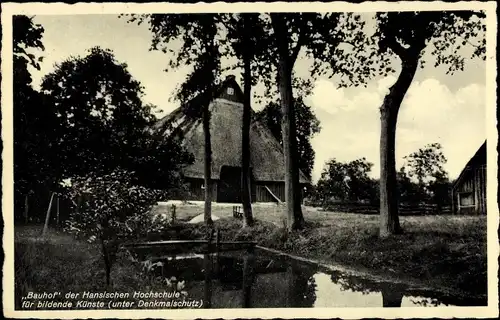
x=267, y=159
x=231, y=91
x=477, y=160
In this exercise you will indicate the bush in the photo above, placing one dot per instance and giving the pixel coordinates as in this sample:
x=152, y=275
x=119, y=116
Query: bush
x=110, y=209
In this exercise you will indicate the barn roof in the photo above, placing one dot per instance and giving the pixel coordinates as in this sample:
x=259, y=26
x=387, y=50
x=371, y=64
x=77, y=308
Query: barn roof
x=479, y=158
x=266, y=153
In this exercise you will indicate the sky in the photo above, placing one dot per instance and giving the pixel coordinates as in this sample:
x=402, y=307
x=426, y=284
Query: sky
x=439, y=108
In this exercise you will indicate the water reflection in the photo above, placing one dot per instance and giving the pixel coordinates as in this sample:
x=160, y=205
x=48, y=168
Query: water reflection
x=207, y=288
x=391, y=298
x=261, y=280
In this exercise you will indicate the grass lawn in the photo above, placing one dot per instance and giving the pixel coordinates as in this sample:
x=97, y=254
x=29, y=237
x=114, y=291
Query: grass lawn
x=59, y=262
x=439, y=251
x=446, y=251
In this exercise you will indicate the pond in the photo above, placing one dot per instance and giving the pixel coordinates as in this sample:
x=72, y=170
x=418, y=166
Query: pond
x=261, y=279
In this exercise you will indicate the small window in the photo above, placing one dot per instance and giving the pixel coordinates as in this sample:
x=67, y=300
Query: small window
x=230, y=91
x=466, y=199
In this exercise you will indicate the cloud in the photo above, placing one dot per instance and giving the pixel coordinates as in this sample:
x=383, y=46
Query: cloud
x=430, y=112
x=384, y=84
x=425, y=102
x=327, y=97
x=471, y=95
x=108, y=31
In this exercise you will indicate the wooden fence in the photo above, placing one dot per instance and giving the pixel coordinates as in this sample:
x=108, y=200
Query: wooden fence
x=32, y=209
x=404, y=209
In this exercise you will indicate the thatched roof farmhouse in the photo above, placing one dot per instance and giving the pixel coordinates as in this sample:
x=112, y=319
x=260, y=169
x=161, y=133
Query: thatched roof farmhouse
x=267, y=159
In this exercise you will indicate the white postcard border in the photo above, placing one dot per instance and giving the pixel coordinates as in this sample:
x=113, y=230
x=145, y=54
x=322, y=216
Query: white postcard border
x=9, y=9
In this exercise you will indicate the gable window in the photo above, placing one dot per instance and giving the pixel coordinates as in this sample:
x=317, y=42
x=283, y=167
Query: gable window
x=230, y=91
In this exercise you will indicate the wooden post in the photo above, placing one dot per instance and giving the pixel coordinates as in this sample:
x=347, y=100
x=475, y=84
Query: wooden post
x=47, y=216
x=173, y=213
x=217, y=240
x=210, y=233
x=452, y=201
x=475, y=184
x=57, y=210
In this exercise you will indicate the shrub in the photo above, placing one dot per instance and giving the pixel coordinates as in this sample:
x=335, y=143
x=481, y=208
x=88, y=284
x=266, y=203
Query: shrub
x=111, y=208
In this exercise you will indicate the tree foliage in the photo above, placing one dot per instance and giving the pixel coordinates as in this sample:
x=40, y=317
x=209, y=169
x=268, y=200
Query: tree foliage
x=410, y=192
x=334, y=41
x=34, y=122
x=426, y=164
x=243, y=43
x=447, y=35
x=307, y=126
x=423, y=177
x=27, y=37
x=201, y=45
x=346, y=182
x=103, y=123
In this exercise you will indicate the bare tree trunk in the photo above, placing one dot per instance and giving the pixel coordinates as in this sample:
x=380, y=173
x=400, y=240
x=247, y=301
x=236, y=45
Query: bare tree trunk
x=208, y=165
x=295, y=219
x=389, y=218
x=246, y=196
x=26, y=209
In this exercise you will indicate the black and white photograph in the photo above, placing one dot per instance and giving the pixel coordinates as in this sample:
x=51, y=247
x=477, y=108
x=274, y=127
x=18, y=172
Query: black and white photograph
x=226, y=160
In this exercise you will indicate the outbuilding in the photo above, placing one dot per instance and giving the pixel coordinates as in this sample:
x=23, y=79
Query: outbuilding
x=469, y=190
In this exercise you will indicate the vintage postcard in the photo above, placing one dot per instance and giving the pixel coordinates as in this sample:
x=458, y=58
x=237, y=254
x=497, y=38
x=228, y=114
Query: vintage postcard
x=249, y=160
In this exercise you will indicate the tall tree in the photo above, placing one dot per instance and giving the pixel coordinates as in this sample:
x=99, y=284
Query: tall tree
x=286, y=61
x=34, y=137
x=102, y=122
x=243, y=33
x=323, y=37
x=247, y=56
x=406, y=35
x=200, y=49
x=99, y=108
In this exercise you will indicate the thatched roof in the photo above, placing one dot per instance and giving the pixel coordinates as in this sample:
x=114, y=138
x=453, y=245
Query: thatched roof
x=478, y=159
x=267, y=159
